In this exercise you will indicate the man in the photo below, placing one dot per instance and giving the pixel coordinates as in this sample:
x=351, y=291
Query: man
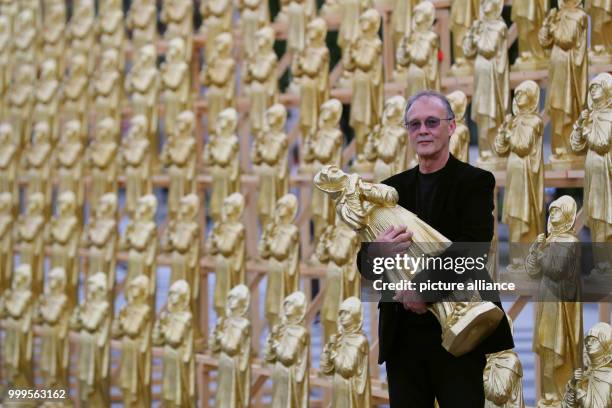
x=457, y=200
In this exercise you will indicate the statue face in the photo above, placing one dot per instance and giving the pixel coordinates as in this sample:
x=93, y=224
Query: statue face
x=492, y=8
x=556, y=215
x=22, y=277
x=96, y=287
x=237, y=301
x=593, y=346
x=57, y=279
x=137, y=289
x=597, y=92
x=66, y=203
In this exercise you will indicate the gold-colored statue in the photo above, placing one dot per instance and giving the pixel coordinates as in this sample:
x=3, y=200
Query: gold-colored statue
x=337, y=248
x=101, y=238
x=64, y=234
x=288, y=350
x=21, y=104
x=46, y=107
x=520, y=139
x=260, y=78
x=345, y=357
x=600, y=12
x=564, y=31
x=592, y=135
x=69, y=161
x=92, y=321
x=142, y=21
x=39, y=165
x=133, y=327
x=253, y=16
x=218, y=76
x=460, y=140
x=34, y=7
x=217, y=15
x=463, y=14
x=558, y=326
x=297, y=13
x=528, y=16
x=176, y=83
x=75, y=93
x=81, y=31
x=136, y=159
x=111, y=28
x=592, y=387
x=401, y=20
x=7, y=61
x=27, y=43
x=310, y=69
x=9, y=165
x=486, y=41
x=53, y=34
x=280, y=246
x=174, y=331
x=349, y=31
x=140, y=242
x=107, y=88
x=30, y=235
x=231, y=340
x=6, y=240
x=364, y=60
x=179, y=156
x=386, y=146
x=17, y=313
x=53, y=315
x=269, y=155
x=227, y=242
x=102, y=157
x=221, y=155
x=417, y=53
x=143, y=83
x=177, y=15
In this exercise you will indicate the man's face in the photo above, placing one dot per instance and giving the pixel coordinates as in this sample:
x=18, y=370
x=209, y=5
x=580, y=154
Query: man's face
x=426, y=141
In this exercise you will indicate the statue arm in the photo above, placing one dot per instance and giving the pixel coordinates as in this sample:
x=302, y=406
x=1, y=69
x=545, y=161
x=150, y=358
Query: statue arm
x=545, y=35
x=245, y=348
x=379, y=193
x=469, y=41
x=578, y=140
x=502, y=139
x=532, y=262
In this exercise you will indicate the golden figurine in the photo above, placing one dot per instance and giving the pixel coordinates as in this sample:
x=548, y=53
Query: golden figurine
x=227, y=242
x=9, y=165
x=221, y=154
x=75, y=93
x=101, y=238
x=364, y=60
x=528, y=16
x=280, y=246
x=174, y=331
x=176, y=83
x=310, y=69
x=136, y=159
x=417, y=54
x=143, y=84
x=345, y=357
x=141, y=19
x=217, y=20
x=133, y=327
x=269, y=155
x=6, y=240
x=111, y=28
x=69, y=161
x=64, y=233
x=320, y=149
x=592, y=135
x=53, y=315
x=337, y=248
x=298, y=14
x=179, y=156
x=46, y=107
x=102, y=155
x=140, y=242
x=401, y=20
x=349, y=31
x=177, y=15
x=37, y=13
x=487, y=42
x=386, y=146
x=107, y=88
x=288, y=350
x=7, y=61
x=460, y=140
x=600, y=12
x=253, y=17
x=53, y=34
x=17, y=313
x=21, y=105
x=231, y=340
x=92, y=321
x=564, y=31
x=30, y=235
x=39, y=165
x=592, y=387
x=218, y=76
x=520, y=138
x=27, y=44
x=557, y=339
x=463, y=14
x=81, y=32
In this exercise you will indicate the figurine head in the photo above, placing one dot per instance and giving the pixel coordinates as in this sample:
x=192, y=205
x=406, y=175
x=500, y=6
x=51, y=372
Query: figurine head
x=350, y=315
x=238, y=300
x=26, y=75
x=78, y=65
x=264, y=38
x=276, y=117
x=286, y=208
x=49, y=70
x=563, y=4
x=369, y=22
x=294, y=308
x=331, y=112
x=423, y=15
x=233, y=206
x=600, y=91
x=178, y=296
x=146, y=207
x=97, y=287
x=330, y=179
x=562, y=215
x=67, y=204
x=316, y=31
x=458, y=102
x=83, y=10
x=36, y=204
x=146, y=56
x=25, y=20
x=176, y=49
x=57, y=281
x=107, y=206
x=56, y=13
x=41, y=133
x=109, y=60
x=188, y=207
x=72, y=131
x=227, y=121
x=598, y=344
x=394, y=110
x=223, y=44
x=137, y=290
x=185, y=123
x=6, y=133
x=526, y=98
x=491, y=9
x=6, y=202
x=22, y=279
x=107, y=130
x=138, y=127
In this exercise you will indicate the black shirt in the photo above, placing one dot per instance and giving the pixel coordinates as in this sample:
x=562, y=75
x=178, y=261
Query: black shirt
x=427, y=185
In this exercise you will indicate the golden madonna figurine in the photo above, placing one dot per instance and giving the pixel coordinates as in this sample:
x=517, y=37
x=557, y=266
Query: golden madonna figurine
x=217, y=20
x=529, y=16
x=53, y=34
x=31, y=237
x=111, y=28
x=81, y=32
x=69, y=161
x=136, y=159
x=253, y=16
x=39, y=165
x=459, y=145
x=75, y=93
x=141, y=19
x=102, y=159
x=21, y=104
x=47, y=99
x=101, y=239
x=107, y=90
x=10, y=156
x=176, y=83
x=177, y=15
x=600, y=12
x=6, y=240
x=462, y=15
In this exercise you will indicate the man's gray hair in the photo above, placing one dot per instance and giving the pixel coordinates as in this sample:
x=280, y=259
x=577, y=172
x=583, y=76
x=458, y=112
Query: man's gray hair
x=429, y=94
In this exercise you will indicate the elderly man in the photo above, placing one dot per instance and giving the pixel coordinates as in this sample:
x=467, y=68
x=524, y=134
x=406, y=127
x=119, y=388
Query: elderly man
x=457, y=200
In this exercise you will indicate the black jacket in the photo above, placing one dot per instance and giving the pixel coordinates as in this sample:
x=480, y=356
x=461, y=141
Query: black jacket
x=463, y=212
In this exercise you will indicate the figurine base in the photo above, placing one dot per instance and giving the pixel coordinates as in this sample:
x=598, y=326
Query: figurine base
x=491, y=163
x=361, y=165
x=528, y=65
x=599, y=59
x=462, y=70
x=564, y=163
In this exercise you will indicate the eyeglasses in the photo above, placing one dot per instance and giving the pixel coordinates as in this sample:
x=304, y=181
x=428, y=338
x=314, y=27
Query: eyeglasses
x=431, y=122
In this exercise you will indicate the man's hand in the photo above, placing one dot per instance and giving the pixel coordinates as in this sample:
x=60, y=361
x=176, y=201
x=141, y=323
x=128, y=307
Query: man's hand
x=396, y=239
x=411, y=301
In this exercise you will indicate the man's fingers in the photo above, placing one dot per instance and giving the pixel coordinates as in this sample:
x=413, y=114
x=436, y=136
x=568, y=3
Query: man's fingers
x=403, y=237
x=396, y=231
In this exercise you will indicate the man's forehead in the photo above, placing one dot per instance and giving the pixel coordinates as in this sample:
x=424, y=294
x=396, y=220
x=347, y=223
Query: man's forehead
x=425, y=105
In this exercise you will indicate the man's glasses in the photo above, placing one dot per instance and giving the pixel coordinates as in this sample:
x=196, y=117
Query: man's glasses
x=431, y=122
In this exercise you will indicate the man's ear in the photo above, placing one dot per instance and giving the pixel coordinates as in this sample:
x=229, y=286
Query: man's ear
x=452, y=125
